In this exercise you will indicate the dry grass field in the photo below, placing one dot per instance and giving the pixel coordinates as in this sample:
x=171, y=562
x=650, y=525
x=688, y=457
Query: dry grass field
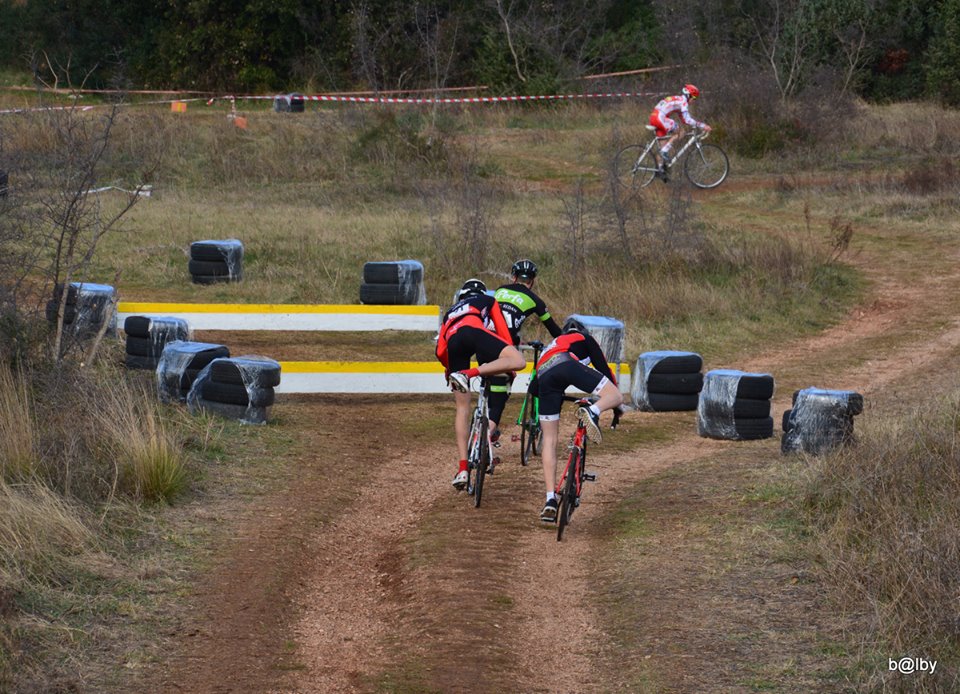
x=326, y=550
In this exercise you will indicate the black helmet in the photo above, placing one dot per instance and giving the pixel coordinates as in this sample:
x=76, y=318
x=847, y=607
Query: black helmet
x=471, y=287
x=574, y=325
x=524, y=269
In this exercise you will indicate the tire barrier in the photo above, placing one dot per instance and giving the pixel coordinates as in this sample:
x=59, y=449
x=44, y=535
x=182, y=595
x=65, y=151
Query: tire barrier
x=240, y=388
x=147, y=336
x=216, y=261
x=288, y=103
x=88, y=307
x=735, y=405
x=609, y=332
x=820, y=420
x=393, y=282
x=667, y=381
x=180, y=363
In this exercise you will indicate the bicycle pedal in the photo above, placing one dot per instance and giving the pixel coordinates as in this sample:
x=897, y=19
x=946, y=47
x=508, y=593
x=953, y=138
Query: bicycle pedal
x=590, y=476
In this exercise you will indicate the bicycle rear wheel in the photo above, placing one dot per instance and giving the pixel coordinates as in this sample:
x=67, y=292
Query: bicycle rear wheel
x=530, y=432
x=480, y=467
x=634, y=168
x=706, y=166
x=530, y=442
x=568, y=496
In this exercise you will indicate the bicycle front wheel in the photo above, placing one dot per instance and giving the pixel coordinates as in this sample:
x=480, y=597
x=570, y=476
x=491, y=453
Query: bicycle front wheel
x=706, y=166
x=634, y=168
x=568, y=497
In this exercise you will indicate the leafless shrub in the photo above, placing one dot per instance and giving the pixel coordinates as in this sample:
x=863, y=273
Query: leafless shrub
x=54, y=216
x=931, y=177
x=841, y=233
x=575, y=231
x=463, y=208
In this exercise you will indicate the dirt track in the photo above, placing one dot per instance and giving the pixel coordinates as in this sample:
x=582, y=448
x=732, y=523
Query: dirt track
x=369, y=573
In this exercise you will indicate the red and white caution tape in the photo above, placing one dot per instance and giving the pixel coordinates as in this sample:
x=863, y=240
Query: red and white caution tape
x=439, y=100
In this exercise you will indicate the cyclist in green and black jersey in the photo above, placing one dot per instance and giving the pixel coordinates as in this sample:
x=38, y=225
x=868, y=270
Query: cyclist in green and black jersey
x=517, y=302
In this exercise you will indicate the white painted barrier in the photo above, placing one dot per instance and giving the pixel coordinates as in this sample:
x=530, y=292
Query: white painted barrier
x=346, y=317
x=382, y=377
x=330, y=376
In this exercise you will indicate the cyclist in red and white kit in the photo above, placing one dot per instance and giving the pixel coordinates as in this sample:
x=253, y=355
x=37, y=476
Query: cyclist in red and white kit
x=671, y=106
x=474, y=325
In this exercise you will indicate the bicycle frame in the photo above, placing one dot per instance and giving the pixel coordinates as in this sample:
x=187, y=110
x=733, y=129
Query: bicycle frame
x=578, y=443
x=537, y=348
x=570, y=485
x=690, y=139
x=529, y=418
x=479, y=452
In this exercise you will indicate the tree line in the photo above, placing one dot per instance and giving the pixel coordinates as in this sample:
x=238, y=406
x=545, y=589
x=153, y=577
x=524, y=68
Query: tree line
x=878, y=49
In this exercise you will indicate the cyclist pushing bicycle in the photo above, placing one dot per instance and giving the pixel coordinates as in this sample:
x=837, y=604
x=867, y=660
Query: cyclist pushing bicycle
x=517, y=302
x=474, y=325
x=671, y=106
x=566, y=362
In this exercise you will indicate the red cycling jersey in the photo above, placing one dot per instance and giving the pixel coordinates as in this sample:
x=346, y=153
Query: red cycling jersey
x=476, y=311
x=581, y=347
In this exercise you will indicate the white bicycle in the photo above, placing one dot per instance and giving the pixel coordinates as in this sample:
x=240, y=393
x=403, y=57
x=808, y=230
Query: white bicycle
x=704, y=164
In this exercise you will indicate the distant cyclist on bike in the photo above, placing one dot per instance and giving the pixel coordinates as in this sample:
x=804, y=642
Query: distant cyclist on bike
x=518, y=302
x=566, y=362
x=474, y=325
x=661, y=119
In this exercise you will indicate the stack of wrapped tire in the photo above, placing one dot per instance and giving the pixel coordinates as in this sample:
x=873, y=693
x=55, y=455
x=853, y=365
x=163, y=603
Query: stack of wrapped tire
x=88, y=306
x=147, y=336
x=393, y=282
x=820, y=420
x=240, y=388
x=609, y=333
x=216, y=261
x=180, y=363
x=735, y=405
x=667, y=381
x=288, y=103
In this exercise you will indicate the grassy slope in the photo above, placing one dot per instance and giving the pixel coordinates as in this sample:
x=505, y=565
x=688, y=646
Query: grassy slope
x=307, y=239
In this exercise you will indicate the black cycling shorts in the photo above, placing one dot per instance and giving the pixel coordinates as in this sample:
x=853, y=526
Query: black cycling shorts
x=557, y=379
x=467, y=342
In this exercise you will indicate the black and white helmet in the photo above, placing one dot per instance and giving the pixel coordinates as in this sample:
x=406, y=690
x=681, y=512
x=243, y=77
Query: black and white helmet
x=471, y=287
x=524, y=269
x=573, y=325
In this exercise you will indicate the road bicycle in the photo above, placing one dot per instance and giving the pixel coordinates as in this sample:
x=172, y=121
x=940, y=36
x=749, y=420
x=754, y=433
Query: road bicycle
x=528, y=420
x=575, y=473
x=480, y=460
x=704, y=164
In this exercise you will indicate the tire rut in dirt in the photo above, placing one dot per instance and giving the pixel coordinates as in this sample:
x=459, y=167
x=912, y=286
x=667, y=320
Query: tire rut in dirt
x=459, y=630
